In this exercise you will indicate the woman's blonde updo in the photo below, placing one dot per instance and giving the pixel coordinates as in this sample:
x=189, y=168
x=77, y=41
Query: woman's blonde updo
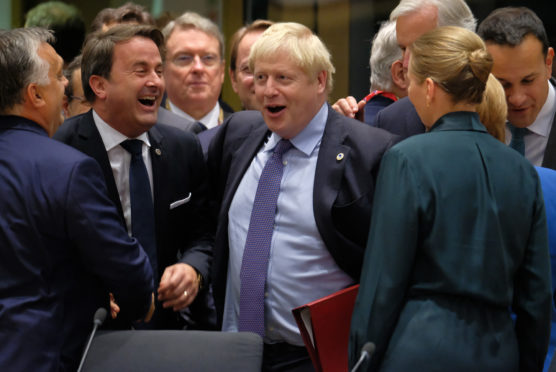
x=456, y=59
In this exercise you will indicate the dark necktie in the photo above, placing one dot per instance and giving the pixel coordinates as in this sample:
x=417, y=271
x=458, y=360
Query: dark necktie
x=254, y=264
x=517, y=143
x=200, y=127
x=142, y=210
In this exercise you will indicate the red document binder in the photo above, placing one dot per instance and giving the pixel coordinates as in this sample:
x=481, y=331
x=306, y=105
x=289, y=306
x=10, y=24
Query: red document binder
x=324, y=326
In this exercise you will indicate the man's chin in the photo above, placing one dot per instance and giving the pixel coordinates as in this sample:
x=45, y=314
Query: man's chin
x=520, y=120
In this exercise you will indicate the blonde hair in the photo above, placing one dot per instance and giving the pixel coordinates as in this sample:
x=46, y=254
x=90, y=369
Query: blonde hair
x=302, y=46
x=493, y=108
x=454, y=58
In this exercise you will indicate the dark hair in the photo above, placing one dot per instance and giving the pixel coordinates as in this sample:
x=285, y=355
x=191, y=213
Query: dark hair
x=98, y=51
x=127, y=13
x=66, y=22
x=257, y=25
x=20, y=64
x=509, y=26
x=68, y=73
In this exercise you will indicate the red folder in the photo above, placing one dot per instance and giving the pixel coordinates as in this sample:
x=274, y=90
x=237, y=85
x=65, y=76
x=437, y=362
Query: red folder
x=324, y=325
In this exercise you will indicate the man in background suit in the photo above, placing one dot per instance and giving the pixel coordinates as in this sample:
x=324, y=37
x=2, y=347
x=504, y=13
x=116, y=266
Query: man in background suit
x=240, y=75
x=194, y=71
x=413, y=18
x=122, y=79
x=322, y=213
x=517, y=41
x=62, y=245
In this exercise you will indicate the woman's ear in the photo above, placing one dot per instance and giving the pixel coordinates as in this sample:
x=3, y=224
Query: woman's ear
x=431, y=91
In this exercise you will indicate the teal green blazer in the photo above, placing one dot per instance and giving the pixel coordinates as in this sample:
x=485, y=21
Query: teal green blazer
x=458, y=241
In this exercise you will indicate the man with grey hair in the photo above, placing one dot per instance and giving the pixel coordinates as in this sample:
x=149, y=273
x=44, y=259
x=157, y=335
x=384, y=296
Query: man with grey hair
x=194, y=70
x=414, y=18
x=294, y=208
x=62, y=245
x=388, y=82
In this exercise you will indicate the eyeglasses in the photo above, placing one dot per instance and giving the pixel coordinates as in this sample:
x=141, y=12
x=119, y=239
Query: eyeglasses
x=186, y=60
x=244, y=70
x=81, y=99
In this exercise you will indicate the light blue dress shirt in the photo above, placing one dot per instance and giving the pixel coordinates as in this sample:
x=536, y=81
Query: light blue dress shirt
x=300, y=268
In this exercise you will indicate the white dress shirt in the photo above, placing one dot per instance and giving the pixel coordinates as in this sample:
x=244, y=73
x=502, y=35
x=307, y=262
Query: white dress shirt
x=119, y=162
x=210, y=120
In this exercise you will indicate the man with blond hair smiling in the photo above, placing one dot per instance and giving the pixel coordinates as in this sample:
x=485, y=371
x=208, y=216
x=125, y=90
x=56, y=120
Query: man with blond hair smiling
x=294, y=207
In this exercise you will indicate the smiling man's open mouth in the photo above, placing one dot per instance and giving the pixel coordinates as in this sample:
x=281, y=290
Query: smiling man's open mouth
x=275, y=109
x=148, y=101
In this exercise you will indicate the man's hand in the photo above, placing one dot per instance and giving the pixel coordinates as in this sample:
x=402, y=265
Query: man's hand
x=178, y=286
x=349, y=107
x=149, y=315
x=114, y=308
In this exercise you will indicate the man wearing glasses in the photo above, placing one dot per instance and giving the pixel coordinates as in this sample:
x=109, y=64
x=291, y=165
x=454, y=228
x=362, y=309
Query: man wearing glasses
x=194, y=70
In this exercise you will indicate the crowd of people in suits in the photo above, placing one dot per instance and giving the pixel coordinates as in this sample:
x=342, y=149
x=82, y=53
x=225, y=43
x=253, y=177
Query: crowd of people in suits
x=156, y=202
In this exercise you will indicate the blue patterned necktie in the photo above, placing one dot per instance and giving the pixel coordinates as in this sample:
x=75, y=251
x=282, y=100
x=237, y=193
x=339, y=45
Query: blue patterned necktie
x=142, y=209
x=517, y=143
x=254, y=264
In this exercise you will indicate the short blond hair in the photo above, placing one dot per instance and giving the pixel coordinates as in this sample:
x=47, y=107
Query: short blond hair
x=303, y=47
x=454, y=58
x=493, y=108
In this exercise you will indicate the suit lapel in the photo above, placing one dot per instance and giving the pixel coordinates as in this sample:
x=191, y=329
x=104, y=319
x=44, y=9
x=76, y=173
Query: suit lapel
x=159, y=161
x=549, y=158
x=90, y=143
x=241, y=159
x=331, y=161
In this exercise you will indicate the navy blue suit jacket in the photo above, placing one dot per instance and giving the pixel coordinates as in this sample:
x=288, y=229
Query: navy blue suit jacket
x=400, y=118
x=343, y=187
x=62, y=250
x=178, y=172
x=372, y=108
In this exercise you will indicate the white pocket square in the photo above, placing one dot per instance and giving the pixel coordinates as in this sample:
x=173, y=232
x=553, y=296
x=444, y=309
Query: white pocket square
x=177, y=203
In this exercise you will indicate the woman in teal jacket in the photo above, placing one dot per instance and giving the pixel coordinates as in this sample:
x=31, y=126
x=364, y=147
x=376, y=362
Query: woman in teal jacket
x=458, y=239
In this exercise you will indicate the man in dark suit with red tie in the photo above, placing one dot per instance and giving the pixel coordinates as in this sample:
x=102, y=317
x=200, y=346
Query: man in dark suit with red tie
x=122, y=79
x=293, y=189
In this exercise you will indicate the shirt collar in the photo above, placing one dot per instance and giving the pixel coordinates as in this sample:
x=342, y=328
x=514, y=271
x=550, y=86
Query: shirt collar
x=308, y=139
x=543, y=121
x=111, y=137
x=210, y=120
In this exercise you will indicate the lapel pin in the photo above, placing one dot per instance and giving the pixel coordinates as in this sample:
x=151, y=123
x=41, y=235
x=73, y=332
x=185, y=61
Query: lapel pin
x=340, y=156
x=157, y=152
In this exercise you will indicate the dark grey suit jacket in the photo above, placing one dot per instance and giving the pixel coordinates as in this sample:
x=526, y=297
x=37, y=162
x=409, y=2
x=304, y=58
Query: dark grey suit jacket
x=343, y=187
x=179, y=170
x=167, y=117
